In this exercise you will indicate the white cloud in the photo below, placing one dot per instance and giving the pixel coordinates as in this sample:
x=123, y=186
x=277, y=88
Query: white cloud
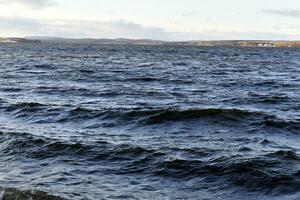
x=283, y=12
x=190, y=13
x=29, y=3
x=80, y=28
x=13, y=26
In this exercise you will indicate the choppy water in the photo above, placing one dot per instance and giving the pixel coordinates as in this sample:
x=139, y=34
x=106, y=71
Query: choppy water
x=133, y=122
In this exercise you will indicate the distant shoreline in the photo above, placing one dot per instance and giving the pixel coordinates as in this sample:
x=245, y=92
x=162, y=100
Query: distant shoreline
x=18, y=40
x=124, y=41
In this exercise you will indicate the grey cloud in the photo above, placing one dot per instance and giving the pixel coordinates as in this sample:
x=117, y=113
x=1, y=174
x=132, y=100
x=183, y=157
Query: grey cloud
x=105, y=29
x=283, y=12
x=118, y=29
x=80, y=28
x=233, y=35
x=257, y=35
x=30, y=3
x=294, y=28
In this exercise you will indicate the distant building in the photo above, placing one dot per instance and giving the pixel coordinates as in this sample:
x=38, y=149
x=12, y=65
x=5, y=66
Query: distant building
x=266, y=45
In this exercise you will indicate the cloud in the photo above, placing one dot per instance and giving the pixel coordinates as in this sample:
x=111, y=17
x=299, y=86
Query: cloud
x=283, y=12
x=14, y=26
x=80, y=28
x=190, y=13
x=29, y=3
x=251, y=35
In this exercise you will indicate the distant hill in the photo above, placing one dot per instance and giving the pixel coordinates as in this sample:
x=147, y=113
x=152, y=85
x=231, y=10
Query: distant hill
x=17, y=40
x=125, y=41
x=217, y=43
x=119, y=41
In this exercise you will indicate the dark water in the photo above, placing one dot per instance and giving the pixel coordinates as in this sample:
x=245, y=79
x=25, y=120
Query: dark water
x=126, y=122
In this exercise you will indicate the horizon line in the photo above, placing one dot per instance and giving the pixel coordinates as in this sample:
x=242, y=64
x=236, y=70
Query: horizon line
x=120, y=38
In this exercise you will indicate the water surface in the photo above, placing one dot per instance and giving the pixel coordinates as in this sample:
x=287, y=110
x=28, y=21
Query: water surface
x=135, y=122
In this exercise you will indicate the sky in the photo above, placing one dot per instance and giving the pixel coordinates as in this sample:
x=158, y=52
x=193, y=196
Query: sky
x=170, y=20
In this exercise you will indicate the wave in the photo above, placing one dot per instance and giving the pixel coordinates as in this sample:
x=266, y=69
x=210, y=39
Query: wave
x=256, y=118
x=180, y=64
x=13, y=193
x=17, y=144
x=11, y=89
x=144, y=79
x=156, y=116
x=146, y=64
x=25, y=107
x=180, y=115
x=288, y=155
x=254, y=174
x=37, y=113
x=44, y=66
x=266, y=173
